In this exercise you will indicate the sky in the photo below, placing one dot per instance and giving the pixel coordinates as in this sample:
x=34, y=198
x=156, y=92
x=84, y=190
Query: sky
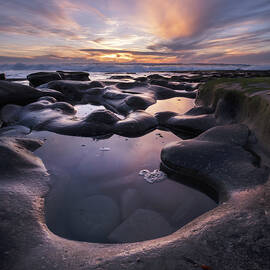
x=135, y=31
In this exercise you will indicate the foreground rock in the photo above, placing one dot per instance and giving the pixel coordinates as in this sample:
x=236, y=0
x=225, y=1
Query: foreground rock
x=219, y=156
x=16, y=157
x=15, y=93
x=235, y=235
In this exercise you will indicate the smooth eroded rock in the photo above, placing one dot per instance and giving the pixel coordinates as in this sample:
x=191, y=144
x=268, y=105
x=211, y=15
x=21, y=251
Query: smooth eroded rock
x=14, y=93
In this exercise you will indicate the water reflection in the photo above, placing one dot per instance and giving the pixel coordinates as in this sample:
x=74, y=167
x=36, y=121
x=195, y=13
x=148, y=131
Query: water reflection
x=99, y=196
x=178, y=105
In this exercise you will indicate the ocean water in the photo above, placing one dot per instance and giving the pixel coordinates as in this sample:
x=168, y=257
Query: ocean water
x=97, y=70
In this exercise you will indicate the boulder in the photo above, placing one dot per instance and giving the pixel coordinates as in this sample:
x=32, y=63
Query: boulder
x=156, y=77
x=72, y=90
x=74, y=76
x=136, y=124
x=39, y=78
x=2, y=76
x=14, y=93
x=219, y=155
x=186, y=123
x=200, y=110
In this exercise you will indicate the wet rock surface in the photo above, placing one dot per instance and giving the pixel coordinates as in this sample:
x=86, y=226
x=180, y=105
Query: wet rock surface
x=219, y=154
x=235, y=235
x=40, y=78
x=15, y=93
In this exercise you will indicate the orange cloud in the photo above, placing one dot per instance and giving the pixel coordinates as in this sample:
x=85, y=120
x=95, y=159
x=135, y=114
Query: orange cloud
x=122, y=56
x=173, y=18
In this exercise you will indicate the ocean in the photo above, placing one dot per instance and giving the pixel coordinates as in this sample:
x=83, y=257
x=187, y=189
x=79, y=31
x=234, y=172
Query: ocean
x=97, y=70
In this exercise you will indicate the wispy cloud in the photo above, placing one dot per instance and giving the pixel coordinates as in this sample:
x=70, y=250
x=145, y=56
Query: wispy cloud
x=137, y=30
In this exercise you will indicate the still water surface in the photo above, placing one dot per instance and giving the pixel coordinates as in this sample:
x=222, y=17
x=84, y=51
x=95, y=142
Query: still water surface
x=97, y=194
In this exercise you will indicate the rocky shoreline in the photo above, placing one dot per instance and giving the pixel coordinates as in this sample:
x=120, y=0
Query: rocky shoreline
x=226, y=149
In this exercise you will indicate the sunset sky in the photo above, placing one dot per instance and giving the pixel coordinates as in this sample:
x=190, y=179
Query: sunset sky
x=141, y=31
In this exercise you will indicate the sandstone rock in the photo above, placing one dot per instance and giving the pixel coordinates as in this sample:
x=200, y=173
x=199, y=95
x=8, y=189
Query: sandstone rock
x=16, y=157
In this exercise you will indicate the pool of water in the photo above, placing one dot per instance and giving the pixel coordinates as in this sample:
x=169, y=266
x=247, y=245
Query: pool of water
x=98, y=195
x=178, y=105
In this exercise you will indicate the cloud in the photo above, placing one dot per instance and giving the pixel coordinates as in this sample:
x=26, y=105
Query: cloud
x=124, y=56
x=36, y=18
x=127, y=51
x=200, y=21
x=138, y=30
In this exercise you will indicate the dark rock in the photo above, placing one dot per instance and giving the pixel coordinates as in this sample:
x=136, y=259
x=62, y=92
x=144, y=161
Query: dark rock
x=156, y=77
x=14, y=131
x=236, y=134
x=114, y=94
x=102, y=116
x=139, y=102
x=40, y=78
x=174, y=86
x=199, y=111
x=121, y=77
x=74, y=76
x=186, y=124
x=222, y=161
x=136, y=124
x=72, y=90
x=2, y=76
x=165, y=93
x=163, y=117
x=10, y=113
x=21, y=94
x=141, y=79
x=129, y=85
